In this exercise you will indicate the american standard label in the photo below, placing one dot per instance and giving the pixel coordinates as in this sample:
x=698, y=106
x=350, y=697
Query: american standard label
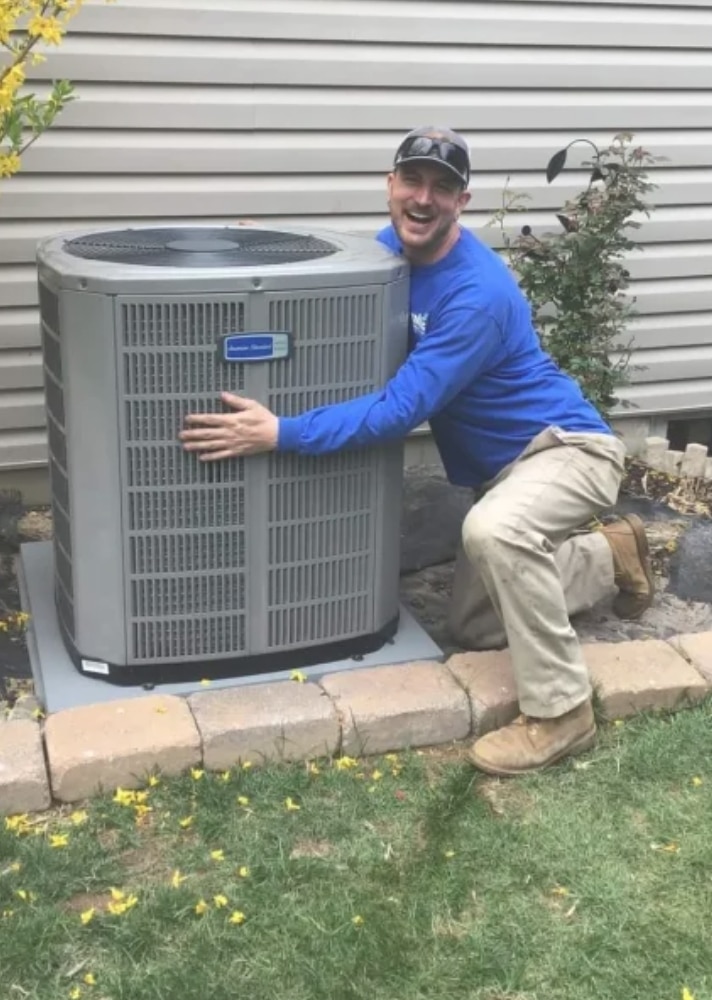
x=236, y=348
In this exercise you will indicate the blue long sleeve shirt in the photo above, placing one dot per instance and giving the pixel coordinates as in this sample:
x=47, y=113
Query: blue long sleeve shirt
x=475, y=369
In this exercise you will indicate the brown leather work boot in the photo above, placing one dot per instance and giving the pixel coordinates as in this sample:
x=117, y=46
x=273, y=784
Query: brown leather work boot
x=631, y=563
x=529, y=744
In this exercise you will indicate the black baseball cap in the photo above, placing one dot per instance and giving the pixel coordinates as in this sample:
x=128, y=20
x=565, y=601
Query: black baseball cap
x=430, y=143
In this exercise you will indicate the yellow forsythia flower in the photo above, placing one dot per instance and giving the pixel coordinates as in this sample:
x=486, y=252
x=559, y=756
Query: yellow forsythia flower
x=186, y=822
x=345, y=763
x=377, y=775
x=246, y=765
x=242, y=800
x=686, y=995
x=177, y=879
x=58, y=839
x=75, y=993
x=117, y=895
x=153, y=781
x=90, y=979
x=237, y=917
x=201, y=907
x=243, y=872
x=298, y=676
x=10, y=163
x=79, y=817
x=314, y=769
x=225, y=776
x=87, y=916
x=697, y=781
x=46, y=28
x=196, y=773
x=220, y=901
x=217, y=855
x=290, y=805
x=357, y=921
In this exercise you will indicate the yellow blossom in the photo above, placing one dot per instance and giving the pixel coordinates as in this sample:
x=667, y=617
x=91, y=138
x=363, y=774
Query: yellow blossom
x=25, y=895
x=686, y=995
x=220, y=901
x=345, y=763
x=290, y=805
x=218, y=855
x=392, y=758
x=560, y=890
x=75, y=993
x=246, y=765
x=243, y=872
x=196, y=773
x=177, y=879
x=117, y=895
x=377, y=775
x=124, y=797
x=119, y=908
x=201, y=907
x=357, y=921
x=79, y=817
x=154, y=781
x=6, y=914
x=17, y=824
x=186, y=822
x=46, y=28
x=242, y=800
x=697, y=781
x=449, y=854
x=237, y=917
x=58, y=839
x=90, y=979
x=298, y=676
x=86, y=916
x=37, y=713
x=225, y=776
x=314, y=769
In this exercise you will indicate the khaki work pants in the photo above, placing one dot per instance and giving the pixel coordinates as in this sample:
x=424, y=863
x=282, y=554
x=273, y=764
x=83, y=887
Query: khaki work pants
x=521, y=571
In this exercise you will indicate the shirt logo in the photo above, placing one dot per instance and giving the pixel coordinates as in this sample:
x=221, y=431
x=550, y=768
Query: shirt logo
x=419, y=322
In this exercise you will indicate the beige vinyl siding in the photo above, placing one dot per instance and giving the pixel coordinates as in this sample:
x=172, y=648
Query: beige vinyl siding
x=289, y=111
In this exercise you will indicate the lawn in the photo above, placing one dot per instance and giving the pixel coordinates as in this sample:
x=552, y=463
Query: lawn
x=405, y=877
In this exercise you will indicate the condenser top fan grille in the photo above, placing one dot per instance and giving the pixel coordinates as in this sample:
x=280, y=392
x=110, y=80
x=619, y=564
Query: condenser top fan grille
x=191, y=248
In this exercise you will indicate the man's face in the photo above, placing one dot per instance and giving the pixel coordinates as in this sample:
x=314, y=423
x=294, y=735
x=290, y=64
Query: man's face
x=425, y=201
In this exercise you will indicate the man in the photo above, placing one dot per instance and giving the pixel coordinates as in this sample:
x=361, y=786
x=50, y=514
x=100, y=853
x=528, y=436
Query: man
x=507, y=423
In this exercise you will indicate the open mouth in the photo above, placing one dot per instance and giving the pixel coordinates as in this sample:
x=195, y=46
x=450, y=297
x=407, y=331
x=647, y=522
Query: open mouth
x=419, y=218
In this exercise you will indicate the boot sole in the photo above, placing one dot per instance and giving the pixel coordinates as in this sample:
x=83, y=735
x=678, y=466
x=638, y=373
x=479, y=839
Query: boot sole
x=643, y=550
x=583, y=743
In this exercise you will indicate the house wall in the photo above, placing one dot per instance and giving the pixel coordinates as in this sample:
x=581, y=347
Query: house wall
x=289, y=110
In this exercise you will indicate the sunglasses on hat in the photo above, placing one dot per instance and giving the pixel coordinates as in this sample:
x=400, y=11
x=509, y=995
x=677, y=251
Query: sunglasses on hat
x=422, y=147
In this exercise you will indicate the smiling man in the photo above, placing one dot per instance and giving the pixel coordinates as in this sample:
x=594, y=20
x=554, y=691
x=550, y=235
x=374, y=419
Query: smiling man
x=510, y=425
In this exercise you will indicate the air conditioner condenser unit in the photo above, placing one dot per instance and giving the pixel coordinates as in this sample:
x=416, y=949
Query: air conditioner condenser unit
x=167, y=568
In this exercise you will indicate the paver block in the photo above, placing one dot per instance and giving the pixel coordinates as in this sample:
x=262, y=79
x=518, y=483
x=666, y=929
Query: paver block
x=100, y=747
x=645, y=674
x=395, y=707
x=697, y=648
x=488, y=679
x=24, y=785
x=280, y=721
x=694, y=461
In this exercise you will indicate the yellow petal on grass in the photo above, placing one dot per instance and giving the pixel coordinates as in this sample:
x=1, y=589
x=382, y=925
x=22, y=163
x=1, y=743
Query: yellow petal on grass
x=298, y=676
x=358, y=920
x=177, y=879
x=119, y=908
x=186, y=822
x=196, y=773
x=220, y=901
x=79, y=817
x=225, y=776
x=86, y=916
x=25, y=895
x=560, y=890
x=124, y=797
x=242, y=800
x=345, y=763
x=90, y=979
x=314, y=769
x=449, y=854
x=686, y=995
x=217, y=855
x=697, y=781
x=201, y=907
x=116, y=894
x=154, y=781
x=290, y=805
x=75, y=993
x=237, y=917
x=243, y=872
x=377, y=775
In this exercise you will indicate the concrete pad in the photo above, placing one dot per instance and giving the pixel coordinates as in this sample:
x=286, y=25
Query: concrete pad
x=488, y=679
x=637, y=676
x=697, y=649
x=392, y=708
x=24, y=785
x=282, y=721
x=97, y=748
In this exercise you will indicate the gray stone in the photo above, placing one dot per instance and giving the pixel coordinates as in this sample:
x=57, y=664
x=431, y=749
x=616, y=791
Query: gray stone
x=655, y=452
x=433, y=512
x=24, y=786
x=690, y=574
x=694, y=461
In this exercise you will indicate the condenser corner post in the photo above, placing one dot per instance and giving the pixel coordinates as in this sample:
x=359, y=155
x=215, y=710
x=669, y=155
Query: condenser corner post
x=168, y=568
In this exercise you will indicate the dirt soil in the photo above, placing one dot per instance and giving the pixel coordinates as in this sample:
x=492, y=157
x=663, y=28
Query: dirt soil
x=668, y=505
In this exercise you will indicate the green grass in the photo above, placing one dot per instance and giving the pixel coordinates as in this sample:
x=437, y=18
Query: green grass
x=592, y=881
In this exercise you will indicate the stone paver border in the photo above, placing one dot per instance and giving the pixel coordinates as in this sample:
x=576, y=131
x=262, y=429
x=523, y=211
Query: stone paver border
x=79, y=752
